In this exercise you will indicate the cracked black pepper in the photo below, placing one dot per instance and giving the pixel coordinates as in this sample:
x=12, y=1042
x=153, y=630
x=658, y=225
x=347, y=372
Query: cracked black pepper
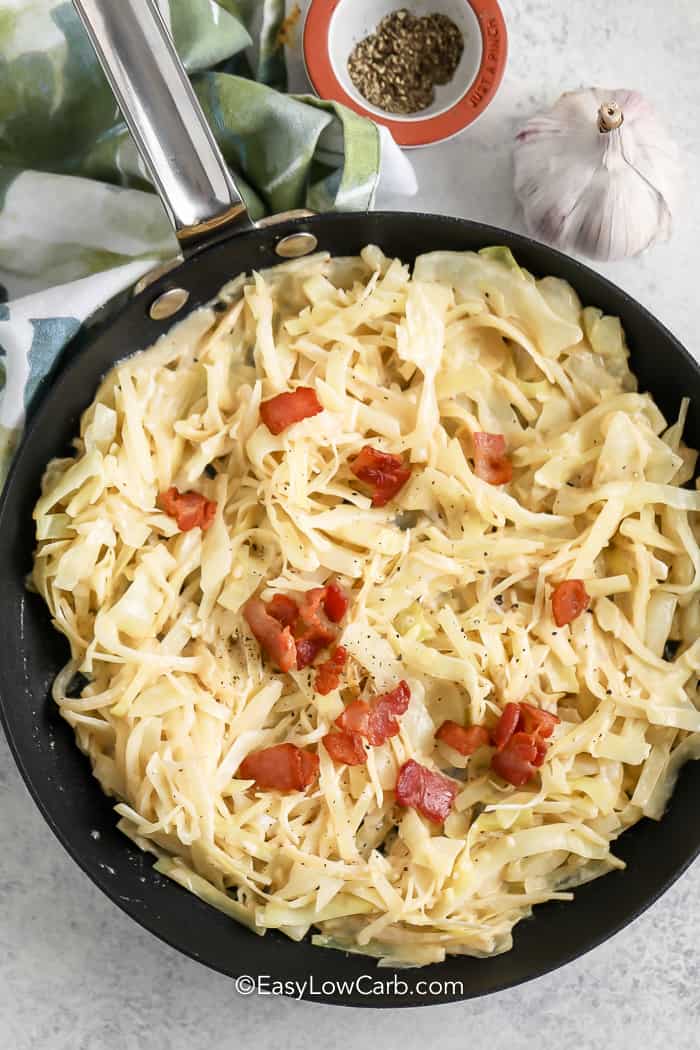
x=397, y=67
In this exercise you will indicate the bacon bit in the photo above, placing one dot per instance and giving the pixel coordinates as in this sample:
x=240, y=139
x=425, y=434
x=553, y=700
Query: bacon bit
x=521, y=742
x=284, y=609
x=189, y=509
x=506, y=726
x=309, y=627
x=275, y=640
x=335, y=602
x=280, y=412
x=321, y=605
x=355, y=718
x=466, y=741
x=320, y=611
x=569, y=600
x=517, y=761
x=307, y=650
x=329, y=672
x=284, y=767
x=537, y=722
x=312, y=614
x=384, y=472
x=376, y=720
x=432, y=794
x=383, y=713
x=345, y=748
x=490, y=460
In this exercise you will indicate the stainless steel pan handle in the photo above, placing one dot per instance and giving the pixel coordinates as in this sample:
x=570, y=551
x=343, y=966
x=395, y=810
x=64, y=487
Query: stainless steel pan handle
x=137, y=54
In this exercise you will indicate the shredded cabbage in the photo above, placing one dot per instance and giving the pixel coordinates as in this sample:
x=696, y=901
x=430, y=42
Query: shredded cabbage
x=450, y=589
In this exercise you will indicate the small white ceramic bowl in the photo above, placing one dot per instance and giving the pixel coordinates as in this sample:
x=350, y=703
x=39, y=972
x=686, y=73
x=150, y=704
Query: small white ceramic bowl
x=333, y=28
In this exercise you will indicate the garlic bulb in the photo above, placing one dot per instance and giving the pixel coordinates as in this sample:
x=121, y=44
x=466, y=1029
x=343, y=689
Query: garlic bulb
x=598, y=174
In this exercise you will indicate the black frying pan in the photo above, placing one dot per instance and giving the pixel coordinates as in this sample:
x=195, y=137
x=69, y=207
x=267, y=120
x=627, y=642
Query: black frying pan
x=57, y=775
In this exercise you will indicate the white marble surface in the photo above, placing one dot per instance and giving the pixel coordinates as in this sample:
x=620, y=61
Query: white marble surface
x=77, y=974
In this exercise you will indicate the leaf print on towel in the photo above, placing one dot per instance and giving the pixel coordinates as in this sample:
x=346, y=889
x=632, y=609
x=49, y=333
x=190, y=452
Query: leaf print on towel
x=55, y=103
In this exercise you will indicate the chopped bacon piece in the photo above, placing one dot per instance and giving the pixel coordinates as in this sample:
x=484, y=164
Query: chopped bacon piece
x=284, y=767
x=345, y=747
x=432, y=794
x=312, y=614
x=466, y=741
x=506, y=725
x=190, y=509
x=284, y=609
x=280, y=412
x=383, y=713
x=329, y=672
x=569, y=600
x=335, y=602
x=313, y=624
x=517, y=761
x=537, y=722
x=376, y=720
x=320, y=610
x=523, y=746
x=307, y=650
x=355, y=718
x=490, y=460
x=321, y=604
x=276, y=640
x=384, y=472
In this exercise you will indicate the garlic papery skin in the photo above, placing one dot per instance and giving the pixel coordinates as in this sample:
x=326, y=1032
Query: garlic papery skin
x=598, y=174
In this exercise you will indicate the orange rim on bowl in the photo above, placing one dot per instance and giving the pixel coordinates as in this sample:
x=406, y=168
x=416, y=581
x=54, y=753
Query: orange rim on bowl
x=330, y=82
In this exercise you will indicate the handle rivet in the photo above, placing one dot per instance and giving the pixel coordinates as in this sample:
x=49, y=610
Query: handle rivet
x=168, y=304
x=296, y=245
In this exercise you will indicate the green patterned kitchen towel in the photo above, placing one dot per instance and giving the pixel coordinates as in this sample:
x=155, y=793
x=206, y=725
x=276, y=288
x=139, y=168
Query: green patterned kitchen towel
x=78, y=218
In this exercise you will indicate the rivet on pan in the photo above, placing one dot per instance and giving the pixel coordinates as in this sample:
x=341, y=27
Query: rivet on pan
x=296, y=245
x=168, y=304
x=155, y=273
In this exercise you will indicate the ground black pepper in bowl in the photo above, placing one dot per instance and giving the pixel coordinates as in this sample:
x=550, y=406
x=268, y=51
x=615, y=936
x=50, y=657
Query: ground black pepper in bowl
x=397, y=67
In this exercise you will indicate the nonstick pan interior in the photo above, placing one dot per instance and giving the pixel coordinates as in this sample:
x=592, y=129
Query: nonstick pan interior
x=59, y=776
